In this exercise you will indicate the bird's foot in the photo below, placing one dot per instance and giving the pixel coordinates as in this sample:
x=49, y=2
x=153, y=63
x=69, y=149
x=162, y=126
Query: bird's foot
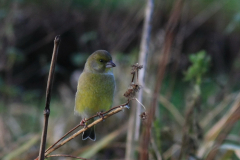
x=83, y=122
x=100, y=115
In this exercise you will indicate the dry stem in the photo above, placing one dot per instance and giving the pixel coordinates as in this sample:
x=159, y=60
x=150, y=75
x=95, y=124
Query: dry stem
x=170, y=33
x=48, y=97
x=144, y=50
x=63, y=155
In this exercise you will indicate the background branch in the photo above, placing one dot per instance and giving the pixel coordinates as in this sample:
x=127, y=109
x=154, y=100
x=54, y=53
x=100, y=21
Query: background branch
x=172, y=23
x=144, y=50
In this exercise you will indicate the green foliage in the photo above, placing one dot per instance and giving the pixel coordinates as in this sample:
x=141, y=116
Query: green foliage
x=200, y=65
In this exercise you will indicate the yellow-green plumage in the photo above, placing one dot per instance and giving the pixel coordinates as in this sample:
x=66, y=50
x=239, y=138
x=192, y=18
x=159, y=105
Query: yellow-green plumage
x=95, y=92
x=95, y=87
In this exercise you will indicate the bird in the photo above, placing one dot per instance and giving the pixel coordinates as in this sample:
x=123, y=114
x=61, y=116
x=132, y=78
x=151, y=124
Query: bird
x=95, y=90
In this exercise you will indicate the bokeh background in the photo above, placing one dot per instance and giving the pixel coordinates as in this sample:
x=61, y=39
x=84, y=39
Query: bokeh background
x=209, y=30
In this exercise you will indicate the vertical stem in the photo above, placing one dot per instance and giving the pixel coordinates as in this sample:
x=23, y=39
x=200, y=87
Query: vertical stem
x=144, y=49
x=171, y=26
x=129, y=145
x=48, y=97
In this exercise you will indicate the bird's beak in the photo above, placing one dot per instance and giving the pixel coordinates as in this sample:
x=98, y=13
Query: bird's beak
x=110, y=64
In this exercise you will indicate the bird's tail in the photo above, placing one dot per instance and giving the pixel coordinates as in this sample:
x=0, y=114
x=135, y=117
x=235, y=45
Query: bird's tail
x=89, y=133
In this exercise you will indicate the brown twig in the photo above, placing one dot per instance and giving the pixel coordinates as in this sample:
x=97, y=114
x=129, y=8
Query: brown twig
x=48, y=97
x=63, y=155
x=120, y=108
x=63, y=136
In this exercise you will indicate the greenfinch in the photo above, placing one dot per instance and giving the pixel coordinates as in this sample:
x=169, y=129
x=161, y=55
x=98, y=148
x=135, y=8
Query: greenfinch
x=95, y=88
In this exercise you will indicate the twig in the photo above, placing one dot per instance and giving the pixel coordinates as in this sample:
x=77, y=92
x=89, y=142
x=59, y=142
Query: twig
x=48, y=97
x=120, y=108
x=130, y=93
x=63, y=155
x=64, y=136
x=140, y=104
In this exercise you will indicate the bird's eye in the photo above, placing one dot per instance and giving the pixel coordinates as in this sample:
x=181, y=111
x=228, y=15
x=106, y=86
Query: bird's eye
x=100, y=60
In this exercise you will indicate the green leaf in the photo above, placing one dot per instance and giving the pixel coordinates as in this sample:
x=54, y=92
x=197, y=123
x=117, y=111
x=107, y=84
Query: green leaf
x=200, y=65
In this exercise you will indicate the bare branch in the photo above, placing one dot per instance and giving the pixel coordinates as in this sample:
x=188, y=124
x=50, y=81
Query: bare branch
x=120, y=108
x=48, y=97
x=63, y=155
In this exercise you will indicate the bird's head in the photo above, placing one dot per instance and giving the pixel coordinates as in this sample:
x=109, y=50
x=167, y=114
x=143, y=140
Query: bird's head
x=99, y=62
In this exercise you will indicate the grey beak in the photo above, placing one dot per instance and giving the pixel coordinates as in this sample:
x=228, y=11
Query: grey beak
x=110, y=64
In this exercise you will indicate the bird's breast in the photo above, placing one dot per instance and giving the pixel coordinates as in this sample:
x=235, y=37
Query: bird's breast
x=94, y=92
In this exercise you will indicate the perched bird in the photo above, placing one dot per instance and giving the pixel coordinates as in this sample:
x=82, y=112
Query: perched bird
x=95, y=88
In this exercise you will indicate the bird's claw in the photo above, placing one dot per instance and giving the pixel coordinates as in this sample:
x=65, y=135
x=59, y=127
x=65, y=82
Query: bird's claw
x=100, y=115
x=83, y=122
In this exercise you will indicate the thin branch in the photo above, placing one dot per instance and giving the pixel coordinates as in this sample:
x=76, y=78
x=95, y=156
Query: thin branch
x=64, y=136
x=120, y=108
x=63, y=155
x=48, y=97
x=140, y=104
x=125, y=104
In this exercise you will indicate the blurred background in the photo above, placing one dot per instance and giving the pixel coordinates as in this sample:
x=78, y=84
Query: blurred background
x=199, y=93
